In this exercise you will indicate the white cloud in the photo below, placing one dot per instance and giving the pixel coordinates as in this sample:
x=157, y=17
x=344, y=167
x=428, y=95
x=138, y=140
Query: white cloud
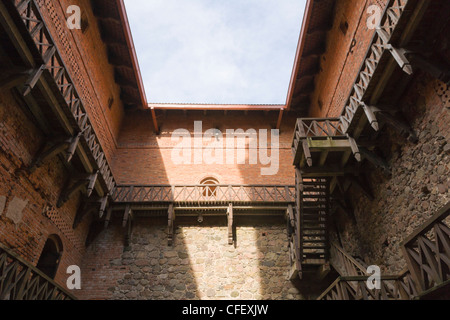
x=210, y=51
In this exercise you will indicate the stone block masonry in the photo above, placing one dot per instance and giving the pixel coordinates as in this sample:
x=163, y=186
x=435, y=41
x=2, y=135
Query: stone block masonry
x=200, y=264
x=419, y=186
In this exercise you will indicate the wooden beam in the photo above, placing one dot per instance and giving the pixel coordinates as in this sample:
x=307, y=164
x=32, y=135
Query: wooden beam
x=171, y=221
x=307, y=152
x=76, y=184
x=363, y=186
x=399, y=125
x=376, y=160
x=11, y=77
x=230, y=224
x=108, y=217
x=50, y=150
x=126, y=215
x=280, y=119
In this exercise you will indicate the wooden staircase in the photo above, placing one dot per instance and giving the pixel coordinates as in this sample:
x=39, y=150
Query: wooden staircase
x=314, y=211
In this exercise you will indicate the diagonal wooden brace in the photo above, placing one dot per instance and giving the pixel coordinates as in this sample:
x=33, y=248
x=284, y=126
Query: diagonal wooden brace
x=85, y=180
x=52, y=149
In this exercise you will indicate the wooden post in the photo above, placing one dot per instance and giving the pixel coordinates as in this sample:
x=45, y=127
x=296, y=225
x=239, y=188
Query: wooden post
x=355, y=149
x=307, y=152
x=230, y=224
x=170, y=224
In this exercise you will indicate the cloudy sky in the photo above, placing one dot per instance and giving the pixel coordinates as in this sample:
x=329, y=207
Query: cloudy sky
x=216, y=51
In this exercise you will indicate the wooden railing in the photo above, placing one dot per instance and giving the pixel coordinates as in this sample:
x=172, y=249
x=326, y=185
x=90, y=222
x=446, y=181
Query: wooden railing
x=205, y=193
x=316, y=128
x=19, y=280
x=344, y=263
x=380, y=44
x=391, y=288
x=427, y=252
x=51, y=65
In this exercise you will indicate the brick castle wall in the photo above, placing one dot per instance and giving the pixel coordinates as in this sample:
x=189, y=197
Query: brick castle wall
x=144, y=158
x=419, y=186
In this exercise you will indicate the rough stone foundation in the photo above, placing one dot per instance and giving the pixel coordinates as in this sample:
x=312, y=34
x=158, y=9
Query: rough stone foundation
x=200, y=264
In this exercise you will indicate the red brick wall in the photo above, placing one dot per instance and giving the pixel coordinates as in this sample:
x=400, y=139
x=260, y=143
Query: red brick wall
x=144, y=158
x=20, y=140
x=85, y=56
x=343, y=57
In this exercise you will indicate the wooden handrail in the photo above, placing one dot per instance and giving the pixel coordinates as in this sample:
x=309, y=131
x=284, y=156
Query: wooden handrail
x=20, y=280
x=205, y=193
x=426, y=252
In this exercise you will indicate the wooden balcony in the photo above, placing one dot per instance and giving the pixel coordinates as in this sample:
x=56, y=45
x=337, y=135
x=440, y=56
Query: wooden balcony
x=321, y=144
x=19, y=280
x=427, y=252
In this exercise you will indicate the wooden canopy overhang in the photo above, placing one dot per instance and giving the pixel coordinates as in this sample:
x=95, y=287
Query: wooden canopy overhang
x=317, y=21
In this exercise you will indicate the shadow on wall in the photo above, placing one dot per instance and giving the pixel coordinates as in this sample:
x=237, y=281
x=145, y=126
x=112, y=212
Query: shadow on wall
x=199, y=265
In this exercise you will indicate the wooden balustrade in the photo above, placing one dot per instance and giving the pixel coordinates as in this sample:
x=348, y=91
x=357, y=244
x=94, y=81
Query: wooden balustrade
x=19, y=280
x=427, y=252
x=205, y=193
x=355, y=288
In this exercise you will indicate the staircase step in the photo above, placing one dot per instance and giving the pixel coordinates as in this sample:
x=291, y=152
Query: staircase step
x=314, y=241
x=314, y=228
x=315, y=247
x=312, y=189
x=310, y=254
x=314, y=183
x=313, y=196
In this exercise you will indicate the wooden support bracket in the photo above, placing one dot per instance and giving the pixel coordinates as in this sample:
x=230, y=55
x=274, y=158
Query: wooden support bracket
x=370, y=114
x=230, y=224
x=398, y=124
x=13, y=76
x=376, y=160
x=52, y=149
x=90, y=205
x=307, y=152
x=108, y=217
x=364, y=187
x=290, y=221
x=75, y=184
x=355, y=148
x=171, y=222
x=399, y=55
x=32, y=80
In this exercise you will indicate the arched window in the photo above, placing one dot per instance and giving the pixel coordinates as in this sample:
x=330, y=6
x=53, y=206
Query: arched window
x=50, y=256
x=210, y=187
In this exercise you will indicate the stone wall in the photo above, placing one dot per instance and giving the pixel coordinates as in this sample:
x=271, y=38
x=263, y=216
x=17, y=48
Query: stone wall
x=200, y=264
x=419, y=185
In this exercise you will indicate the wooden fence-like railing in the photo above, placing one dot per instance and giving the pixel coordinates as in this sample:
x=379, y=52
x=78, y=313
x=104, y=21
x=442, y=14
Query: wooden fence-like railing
x=205, y=193
x=356, y=288
x=427, y=252
x=19, y=280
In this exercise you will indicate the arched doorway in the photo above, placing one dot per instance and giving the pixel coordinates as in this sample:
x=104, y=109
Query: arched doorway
x=50, y=257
